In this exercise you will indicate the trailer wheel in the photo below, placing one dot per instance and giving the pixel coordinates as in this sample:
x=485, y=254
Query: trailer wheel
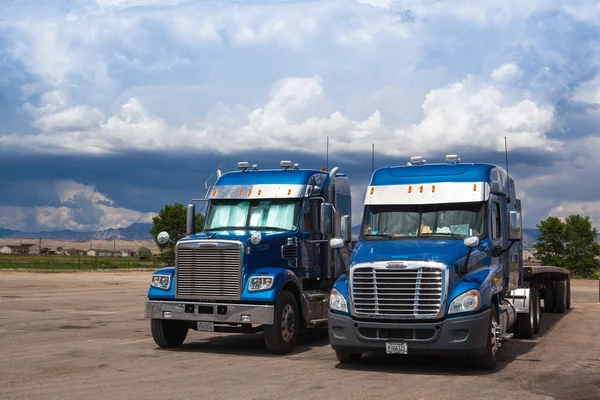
x=526, y=322
x=167, y=333
x=549, y=297
x=347, y=358
x=537, y=314
x=280, y=337
x=560, y=297
x=487, y=360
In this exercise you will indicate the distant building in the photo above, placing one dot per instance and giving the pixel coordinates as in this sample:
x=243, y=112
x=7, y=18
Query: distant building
x=20, y=249
x=128, y=253
x=105, y=253
x=75, y=252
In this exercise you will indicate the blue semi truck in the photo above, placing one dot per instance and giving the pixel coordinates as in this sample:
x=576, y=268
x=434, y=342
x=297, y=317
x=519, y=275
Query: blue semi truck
x=438, y=267
x=262, y=260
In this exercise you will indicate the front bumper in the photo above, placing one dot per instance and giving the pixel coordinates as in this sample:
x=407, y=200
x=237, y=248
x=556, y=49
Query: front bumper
x=456, y=336
x=255, y=314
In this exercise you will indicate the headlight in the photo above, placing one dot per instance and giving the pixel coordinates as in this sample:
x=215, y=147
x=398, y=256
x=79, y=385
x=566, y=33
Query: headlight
x=337, y=301
x=161, y=281
x=468, y=301
x=260, y=283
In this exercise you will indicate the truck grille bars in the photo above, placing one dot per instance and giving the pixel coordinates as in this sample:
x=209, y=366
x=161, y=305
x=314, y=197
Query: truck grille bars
x=209, y=270
x=397, y=293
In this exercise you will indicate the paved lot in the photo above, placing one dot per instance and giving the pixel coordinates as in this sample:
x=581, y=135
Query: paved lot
x=83, y=336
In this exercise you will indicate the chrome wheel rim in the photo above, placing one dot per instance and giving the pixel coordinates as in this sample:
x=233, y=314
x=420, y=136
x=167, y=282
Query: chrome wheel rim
x=288, y=323
x=494, y=338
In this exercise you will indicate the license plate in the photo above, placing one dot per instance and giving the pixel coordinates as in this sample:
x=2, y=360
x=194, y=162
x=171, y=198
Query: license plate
x=396, y=348
x=206, y=326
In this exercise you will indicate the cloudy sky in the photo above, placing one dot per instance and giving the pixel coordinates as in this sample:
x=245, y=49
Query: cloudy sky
x=110, y=109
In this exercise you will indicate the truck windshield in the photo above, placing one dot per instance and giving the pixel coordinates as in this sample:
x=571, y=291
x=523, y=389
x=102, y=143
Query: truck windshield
x=454, y=221
x=274, y=214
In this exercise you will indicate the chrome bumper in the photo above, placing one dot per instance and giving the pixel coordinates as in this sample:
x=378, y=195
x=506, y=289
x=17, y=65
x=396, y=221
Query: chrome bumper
x=255, y=314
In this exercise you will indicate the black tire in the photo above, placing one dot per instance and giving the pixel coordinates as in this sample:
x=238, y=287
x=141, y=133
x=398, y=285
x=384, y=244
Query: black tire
x=549, y=297
x=526, y=322
x=488, y=359
x=168, y=334
x=560, y=297
x=537, y=313
x=568, y=293
x=347, y=358
x=280, y=337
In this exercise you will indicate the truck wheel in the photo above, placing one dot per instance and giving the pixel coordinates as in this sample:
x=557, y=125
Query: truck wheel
x=526, y=322
x=568, y=293
x=347, y=358
x=487, y=360
x=560, y=297
x=280, y=337
x=167, y=333
x=537, y=314
x=549, y=297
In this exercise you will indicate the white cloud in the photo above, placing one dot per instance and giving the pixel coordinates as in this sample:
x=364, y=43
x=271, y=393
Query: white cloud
x=82, y=208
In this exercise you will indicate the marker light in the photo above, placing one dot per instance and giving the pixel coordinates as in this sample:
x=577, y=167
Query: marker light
x=214, y=192
x=474, y=187
x=249, y=192
x=372, y=190
x=410, y=189
x=259, y=191
x=241, y=191
x=421, y=189
x=289, y=191
x=433, y=189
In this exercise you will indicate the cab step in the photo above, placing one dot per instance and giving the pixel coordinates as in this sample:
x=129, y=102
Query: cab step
x=506, y=337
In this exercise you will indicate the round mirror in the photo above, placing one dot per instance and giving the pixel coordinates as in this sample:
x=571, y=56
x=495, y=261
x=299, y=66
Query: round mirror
x=163, y=237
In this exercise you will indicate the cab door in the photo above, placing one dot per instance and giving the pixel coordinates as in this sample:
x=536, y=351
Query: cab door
x=498, y=232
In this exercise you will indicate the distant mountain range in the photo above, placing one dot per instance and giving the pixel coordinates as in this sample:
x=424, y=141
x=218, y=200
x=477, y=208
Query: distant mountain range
x=136, y=231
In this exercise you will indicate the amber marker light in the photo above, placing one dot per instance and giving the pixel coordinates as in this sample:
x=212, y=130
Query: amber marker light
x=474, y=187
x=421, y=189
x=214, y=192
x=410, y=189
x=433, y=189
x=259, y=191
x=240, y=193
x=289, y=191
x=249, y=192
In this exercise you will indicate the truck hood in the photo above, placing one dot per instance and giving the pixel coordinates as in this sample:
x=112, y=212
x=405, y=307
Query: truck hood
x=449, y=252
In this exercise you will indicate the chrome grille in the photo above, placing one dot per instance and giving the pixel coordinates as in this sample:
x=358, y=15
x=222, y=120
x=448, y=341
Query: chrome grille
x=211, y=271
x=395, y=293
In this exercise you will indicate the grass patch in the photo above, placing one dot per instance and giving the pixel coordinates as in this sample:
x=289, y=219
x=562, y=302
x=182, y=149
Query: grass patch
x=27, y=261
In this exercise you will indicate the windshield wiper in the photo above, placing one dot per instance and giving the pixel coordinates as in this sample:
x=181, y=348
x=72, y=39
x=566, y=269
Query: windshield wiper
x=267, y=228
x=453, y=235
x=387, y=235
x=228, y=228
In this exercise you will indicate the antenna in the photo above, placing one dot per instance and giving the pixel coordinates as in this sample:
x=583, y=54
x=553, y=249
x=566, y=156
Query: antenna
x=372, y=157
x=506, y=155
x=327, y=156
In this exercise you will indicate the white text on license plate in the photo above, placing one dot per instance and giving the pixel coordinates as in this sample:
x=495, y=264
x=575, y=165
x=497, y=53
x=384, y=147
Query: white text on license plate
x=396, y=348
x=206, y=326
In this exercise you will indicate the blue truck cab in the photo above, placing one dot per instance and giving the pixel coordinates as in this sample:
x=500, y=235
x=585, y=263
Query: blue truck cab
x=262, y=260
x=436, y=267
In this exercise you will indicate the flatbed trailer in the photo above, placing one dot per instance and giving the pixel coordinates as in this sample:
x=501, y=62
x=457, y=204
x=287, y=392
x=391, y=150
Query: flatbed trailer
x=540, y=282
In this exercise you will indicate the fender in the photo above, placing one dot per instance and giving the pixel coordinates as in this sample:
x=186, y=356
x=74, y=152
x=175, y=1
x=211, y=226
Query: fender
x=488, y=280
x=161, y=294
x=280, y=278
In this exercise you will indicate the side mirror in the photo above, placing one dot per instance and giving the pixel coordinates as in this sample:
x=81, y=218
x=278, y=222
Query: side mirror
x=515, y=229
x=327, y=218
x=346, y=228
x=471, y=241
x=190, y=224
x=336, y=243
x=163, y=238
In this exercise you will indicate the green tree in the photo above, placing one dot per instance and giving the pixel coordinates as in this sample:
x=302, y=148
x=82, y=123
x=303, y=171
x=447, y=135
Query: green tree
x=144, y=253
x=570, y=244
x=581, y=246
x=172, y=219
x=550, y=247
